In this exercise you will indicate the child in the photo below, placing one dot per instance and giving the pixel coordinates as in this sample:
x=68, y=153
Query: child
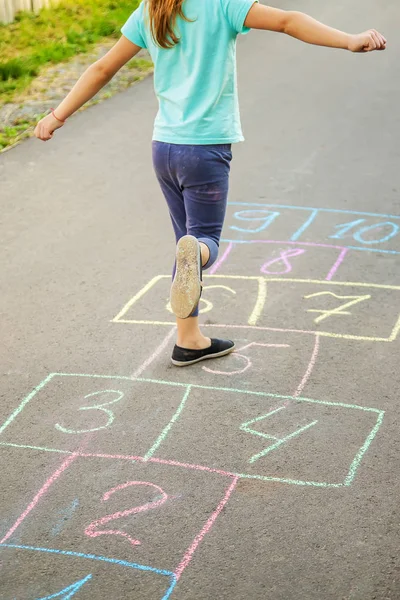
x=192, y=44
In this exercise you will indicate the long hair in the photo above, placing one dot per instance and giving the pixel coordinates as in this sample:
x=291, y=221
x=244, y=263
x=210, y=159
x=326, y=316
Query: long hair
x=163, y=15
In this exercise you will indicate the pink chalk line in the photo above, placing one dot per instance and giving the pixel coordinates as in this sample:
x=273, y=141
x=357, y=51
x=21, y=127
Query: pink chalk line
x=309, y=370
x=221, y=260
x=161, y=461
x=306, y=376
x=39, y=495
x=236, y=354
x=192, y=548
x=337, y=264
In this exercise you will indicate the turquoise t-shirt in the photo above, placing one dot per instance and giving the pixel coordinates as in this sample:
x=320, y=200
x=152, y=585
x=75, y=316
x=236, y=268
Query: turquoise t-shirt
x=195, y=81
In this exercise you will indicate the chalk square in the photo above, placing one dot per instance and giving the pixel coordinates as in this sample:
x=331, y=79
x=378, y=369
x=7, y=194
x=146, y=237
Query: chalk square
x=259, y=357
x=334, y=309
x=269, y=437
x=225, y=299
x=357, y=231
x=280, y=259
x=128, y=513
x=40, y=573
x=61, y=413
x=247, y=221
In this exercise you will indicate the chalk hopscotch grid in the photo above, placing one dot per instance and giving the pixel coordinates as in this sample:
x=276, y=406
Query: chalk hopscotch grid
x=72, y=456
x=313, y=214
x=262, y=282
x=174, y=576
x=149, y=456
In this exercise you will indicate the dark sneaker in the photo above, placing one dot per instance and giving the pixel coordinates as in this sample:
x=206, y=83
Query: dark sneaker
x=182, y=357
x=186, y=286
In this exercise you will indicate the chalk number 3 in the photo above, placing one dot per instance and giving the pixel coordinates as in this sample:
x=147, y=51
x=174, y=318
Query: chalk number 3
x=101, y=407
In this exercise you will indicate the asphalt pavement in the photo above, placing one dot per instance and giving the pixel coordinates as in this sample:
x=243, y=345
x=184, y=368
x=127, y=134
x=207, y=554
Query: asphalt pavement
x=269, y=474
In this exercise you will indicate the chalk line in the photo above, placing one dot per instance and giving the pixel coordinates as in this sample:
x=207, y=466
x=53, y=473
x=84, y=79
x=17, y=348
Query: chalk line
x=309, y=208
x=39, y=494
x=260, y=302
x=305, y=225
x=309, y=370
x=115, y=561
x=137, y=296
x=337, y=264
x=221, y=260
x=155, y=354
x=357, y=460
x=210, y=522
x=24, y=402
x=166, y=430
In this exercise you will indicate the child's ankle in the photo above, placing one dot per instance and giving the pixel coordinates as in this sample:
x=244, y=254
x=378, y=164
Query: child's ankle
x=193, y=343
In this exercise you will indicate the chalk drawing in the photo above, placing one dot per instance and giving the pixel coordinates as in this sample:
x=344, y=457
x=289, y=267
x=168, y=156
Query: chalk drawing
x=344, y=229
x=305, y=226
x=247, y=360
x=160, y=348
x=69, y=591
x=208, y=305
x=262, y=211
x=100, y=407
x=348, y=480
x=158, y=501
x=39, y=495
x=265, y=216
x=309, y=208
x=221, y=260
x=260, y=304
x=232, y=243
x=66, y=515
x=278, y=441
x=337, y=264
x=339, y=310
x=92, y=529
x=210, y=522
x=167, y=429
x=309, y=370
x=282, y=258
x=114, y=561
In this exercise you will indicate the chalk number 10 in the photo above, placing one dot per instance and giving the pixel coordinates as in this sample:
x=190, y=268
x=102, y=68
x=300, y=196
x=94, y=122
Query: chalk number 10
x=361, y=231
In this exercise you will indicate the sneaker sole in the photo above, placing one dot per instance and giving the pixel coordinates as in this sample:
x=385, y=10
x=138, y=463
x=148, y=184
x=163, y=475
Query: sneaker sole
x=186, y=286
x=186, y=363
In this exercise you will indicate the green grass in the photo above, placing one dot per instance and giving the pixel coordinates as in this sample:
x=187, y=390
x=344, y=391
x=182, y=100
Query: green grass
x=54, y=35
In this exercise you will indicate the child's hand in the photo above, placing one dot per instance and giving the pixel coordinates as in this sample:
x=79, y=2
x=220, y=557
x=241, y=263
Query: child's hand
x=367, y=41
x=46, y=127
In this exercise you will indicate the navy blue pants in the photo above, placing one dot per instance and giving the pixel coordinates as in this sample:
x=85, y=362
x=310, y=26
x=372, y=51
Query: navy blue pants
x=195, y=182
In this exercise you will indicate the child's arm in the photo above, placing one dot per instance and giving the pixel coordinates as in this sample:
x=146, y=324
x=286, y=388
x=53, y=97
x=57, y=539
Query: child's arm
x=92, y=80
x=307, y=29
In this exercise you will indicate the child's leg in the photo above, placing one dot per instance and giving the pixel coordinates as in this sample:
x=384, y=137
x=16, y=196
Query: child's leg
x=203, y=192
x=204, y=178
